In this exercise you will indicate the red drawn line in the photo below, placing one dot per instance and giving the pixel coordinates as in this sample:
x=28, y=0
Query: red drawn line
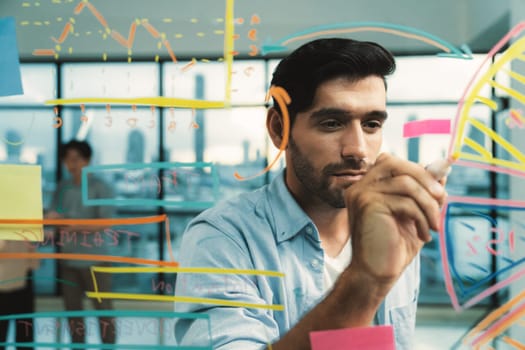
x=43, y=52
x=170, y=51
x=516, y=117
x=89, y=257
x=428, y=126
x=154, y=32
x=79, y=8
x=97, y=14
x=128, y=43
x=119, y=38
x=189, y=65
x=65, y=33
x=474, y=251
x=94, y=222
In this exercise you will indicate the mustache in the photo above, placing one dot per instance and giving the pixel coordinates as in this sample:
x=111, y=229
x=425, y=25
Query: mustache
x=356, y=164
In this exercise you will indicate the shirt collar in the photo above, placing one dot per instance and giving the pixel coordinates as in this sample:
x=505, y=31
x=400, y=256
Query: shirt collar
x=289, y=218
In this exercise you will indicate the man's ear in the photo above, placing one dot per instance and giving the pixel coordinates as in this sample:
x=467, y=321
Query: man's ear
x=275, y=125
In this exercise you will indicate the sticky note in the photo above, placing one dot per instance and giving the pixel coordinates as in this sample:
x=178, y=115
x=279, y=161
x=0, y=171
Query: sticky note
x=21, y=198
x=360, y=338
x=10, y=78
x=418, y=128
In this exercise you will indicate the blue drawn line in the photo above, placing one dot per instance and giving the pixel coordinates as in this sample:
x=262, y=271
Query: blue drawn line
x=145, y=201
x=470, y=227
x=478, y=267
x=464, y=291
x=507, y=260
x=463, y=52
x=110, y=313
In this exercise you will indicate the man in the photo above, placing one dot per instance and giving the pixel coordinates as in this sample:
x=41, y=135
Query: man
x=67, y=203
x=343, y=223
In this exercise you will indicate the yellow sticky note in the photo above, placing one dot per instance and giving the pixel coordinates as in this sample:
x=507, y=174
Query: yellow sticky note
x=21, y=198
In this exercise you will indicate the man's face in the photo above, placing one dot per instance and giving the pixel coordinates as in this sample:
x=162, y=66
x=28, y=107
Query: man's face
x=333, y=143
x=74, y=163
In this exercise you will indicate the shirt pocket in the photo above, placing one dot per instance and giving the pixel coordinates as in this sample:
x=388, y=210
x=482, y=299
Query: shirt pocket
x=403, y=320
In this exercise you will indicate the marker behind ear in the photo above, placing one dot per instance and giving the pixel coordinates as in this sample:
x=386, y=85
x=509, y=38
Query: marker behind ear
x=440, y=168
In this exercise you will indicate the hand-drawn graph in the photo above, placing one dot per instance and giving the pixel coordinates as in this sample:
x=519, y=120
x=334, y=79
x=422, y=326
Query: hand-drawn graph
x=160, y=101
x=470, y=228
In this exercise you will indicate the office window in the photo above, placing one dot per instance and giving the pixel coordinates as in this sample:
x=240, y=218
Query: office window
x=28, y=137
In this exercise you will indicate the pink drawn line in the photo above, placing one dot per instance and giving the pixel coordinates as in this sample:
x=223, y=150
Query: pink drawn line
x=513, y=32
x=428, y=126
x=494, y=168
x=500, y=325
x=443, y=248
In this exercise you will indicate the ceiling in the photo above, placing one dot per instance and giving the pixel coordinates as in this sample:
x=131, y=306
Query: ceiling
x=70, y=30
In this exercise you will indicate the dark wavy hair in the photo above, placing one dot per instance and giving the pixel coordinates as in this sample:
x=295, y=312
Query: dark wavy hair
x=81, y=147
x=318, y=61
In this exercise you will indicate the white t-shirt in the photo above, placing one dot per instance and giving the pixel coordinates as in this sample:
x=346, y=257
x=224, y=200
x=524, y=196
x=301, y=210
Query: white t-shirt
x=333, y=267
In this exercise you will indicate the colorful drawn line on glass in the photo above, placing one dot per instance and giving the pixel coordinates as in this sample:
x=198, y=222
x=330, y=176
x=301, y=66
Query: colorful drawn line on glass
x=87, y=257
x=500, y=326
x=182, y=299
x=89, y=222
x=445, y=248
x=471, y=95
x=283, y=100
x=196, y=270
x=142, y=101
x=229, y=31
x=494, y=315
x=485, y=156
x=488, y=167
x=418, y=128
x=144, y=201
x=128, y=43
x=113, y=314
x=350, y=27
x=95, y=222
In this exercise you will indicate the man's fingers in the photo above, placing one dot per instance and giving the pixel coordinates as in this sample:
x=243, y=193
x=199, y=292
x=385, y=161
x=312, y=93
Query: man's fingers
x=388, y=166
x=406, y=187
x=406, y=211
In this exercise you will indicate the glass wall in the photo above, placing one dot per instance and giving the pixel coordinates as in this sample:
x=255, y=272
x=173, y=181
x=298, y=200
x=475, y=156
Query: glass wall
x=232, y=140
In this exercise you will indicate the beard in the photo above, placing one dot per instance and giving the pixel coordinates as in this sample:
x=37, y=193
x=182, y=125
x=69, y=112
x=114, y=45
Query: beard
x=319, y=184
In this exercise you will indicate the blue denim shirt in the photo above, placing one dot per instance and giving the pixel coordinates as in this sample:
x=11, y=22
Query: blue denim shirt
x=266, y=230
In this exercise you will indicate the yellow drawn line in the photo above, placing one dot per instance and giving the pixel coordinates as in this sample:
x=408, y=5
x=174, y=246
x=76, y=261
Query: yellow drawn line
x=487, y=101
x=514, y=51
x=493, y=161
x=229, y=27
x=515, y=75
x=182, y=299
x=144, y=269
x=146, y=101
x=486, y=155
x=517, y=95
x=499, y=139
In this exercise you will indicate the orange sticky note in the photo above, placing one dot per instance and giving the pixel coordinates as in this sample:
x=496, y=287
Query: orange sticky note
x=361, y=338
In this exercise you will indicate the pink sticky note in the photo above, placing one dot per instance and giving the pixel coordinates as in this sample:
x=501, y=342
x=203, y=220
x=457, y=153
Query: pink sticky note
x=362, y=338
x=418, y=128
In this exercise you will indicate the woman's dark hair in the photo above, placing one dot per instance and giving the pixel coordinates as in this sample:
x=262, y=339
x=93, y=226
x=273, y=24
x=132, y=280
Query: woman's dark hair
x=318, y=61
x=81, y=147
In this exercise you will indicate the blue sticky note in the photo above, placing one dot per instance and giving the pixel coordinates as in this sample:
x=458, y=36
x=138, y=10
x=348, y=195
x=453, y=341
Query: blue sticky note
x=10, y=79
